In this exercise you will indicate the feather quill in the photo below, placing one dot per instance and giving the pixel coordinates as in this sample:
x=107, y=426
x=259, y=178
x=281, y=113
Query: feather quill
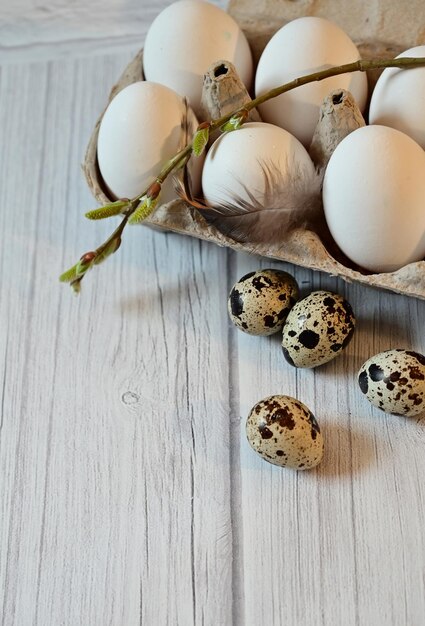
x=285, y=203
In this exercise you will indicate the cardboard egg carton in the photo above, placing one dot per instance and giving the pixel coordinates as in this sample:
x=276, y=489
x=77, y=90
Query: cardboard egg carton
x=380, y=29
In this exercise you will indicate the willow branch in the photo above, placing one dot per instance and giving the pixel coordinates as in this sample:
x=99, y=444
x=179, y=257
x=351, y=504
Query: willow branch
x=150, y=195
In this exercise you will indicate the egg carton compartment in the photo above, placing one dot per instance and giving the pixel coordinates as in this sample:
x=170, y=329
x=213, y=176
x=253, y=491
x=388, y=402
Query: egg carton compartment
x=383, y=34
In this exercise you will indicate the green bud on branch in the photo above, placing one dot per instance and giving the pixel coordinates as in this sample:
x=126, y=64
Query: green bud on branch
x=85, y=263
x=153, y=192
x=235, y=122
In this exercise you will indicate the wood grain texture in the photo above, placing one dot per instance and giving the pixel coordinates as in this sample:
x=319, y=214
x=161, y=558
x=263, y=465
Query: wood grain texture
x=128, y=493
x=115, y=437
x=56, y=28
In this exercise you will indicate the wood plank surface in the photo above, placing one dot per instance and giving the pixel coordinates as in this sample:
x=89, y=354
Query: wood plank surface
x=342, y=544
x=128, y=492
x=115, y=437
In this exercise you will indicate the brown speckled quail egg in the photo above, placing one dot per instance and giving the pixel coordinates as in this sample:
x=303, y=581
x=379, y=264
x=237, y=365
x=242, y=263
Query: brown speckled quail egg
x=283, y=431
x=317, y=329
x=394, y=381
x=260, y=301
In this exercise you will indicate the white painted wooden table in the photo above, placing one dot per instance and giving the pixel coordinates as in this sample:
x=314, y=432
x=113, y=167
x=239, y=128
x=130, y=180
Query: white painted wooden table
x=128, y=492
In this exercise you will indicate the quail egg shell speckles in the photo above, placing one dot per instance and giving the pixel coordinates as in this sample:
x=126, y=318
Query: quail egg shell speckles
x=317, y=329
x=283, y=431
x=394, y=381
x=260, y=301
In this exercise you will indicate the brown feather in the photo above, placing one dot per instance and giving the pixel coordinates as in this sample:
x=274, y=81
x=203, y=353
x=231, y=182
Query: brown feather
x=285, y=204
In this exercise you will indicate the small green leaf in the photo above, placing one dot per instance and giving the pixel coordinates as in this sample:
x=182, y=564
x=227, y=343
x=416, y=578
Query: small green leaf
x=69, y=275
x=200, y=140
x=108, y=210
x=233, y=124
x=110, y=249
x=144, y=209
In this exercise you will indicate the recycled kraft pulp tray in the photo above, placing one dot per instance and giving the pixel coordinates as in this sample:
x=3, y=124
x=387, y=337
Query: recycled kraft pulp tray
x=382, y=29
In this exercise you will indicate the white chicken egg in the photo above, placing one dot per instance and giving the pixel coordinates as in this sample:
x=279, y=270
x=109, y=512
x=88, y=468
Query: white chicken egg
x=142, y=128
x=398, y=98
x=374, y=198
x=185, y=39
x=235, y=165
x=304, y=46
